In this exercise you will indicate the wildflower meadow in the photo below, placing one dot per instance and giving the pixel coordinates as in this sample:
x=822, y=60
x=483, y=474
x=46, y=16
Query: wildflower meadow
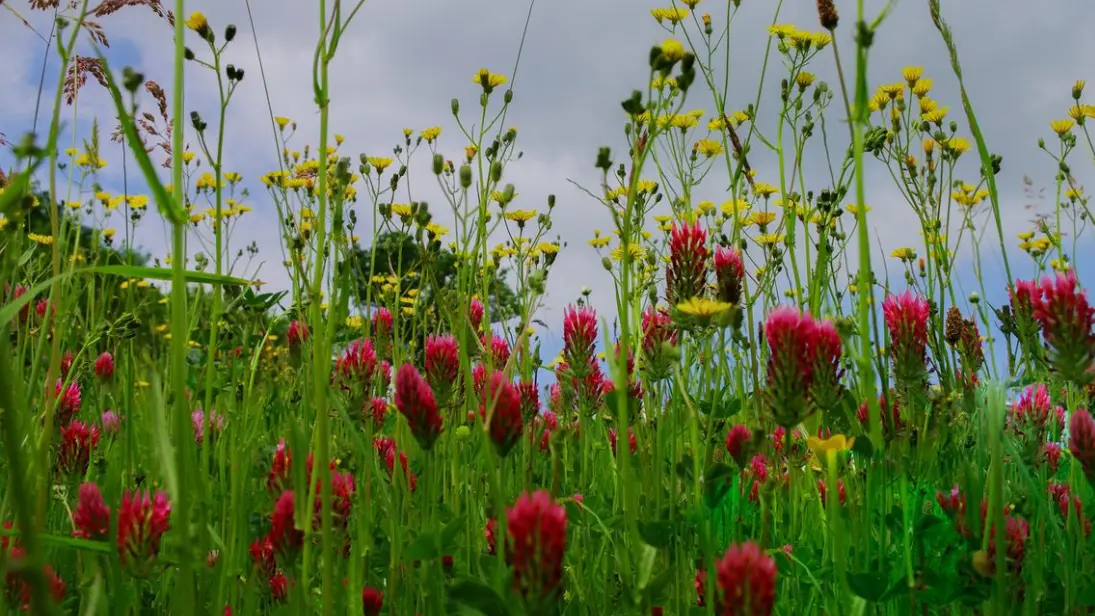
x=758, y=408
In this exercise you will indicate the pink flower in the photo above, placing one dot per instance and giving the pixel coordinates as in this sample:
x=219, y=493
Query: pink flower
x=739, y=444
x=632, y=444
x=142, y=523
x=803, y=365
x=78, y=441
x=501, y=405
x=907, y=320
x=536, y=527
x=297, y=334
x=530, y=401
x=579, y=336
x=498, y=348
x=415, y=401
x=746, y=581
x=279, y=587
x=442, y=366
x=92, y=515
x=104, y=366
x=891, y=417
x=111, y=422
x=1067, y=320
x=658, y=333
x=216, y=424
x=729, y=272
x=284, y=536
x=372, y=601
x=278, y=477
x=375, y=411
x=386, y=449
x=475, y=312
x=383, y=328
x=68, y=401
x=1025, y=298
x=1081, y=440
x=840, y=488
x=357, y=368
x=686, y=274
x=1031, y=412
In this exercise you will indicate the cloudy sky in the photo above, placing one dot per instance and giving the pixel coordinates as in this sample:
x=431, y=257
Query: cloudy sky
x=402, y=62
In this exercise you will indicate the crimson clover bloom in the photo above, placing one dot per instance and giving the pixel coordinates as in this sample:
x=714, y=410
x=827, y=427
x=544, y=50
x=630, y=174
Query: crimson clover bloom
x=906, y=318
x=104, y=366
x=659, y=338
x=1067, y=320
x=92, y=515
x=579, y=337
x=415, y=401
x=442, y=366
x=1081, y=441
x=729, y=273
x=284, y=536
x=686, y=274
x=738, y=444
x=501, y=405
x=803, y=365
x=746, y=581
x=536, y=527
x=142, y=522
x=78, y=441
x=372, y=601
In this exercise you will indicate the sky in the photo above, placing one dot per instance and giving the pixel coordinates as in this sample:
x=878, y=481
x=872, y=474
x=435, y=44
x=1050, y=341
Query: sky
x=400, y=63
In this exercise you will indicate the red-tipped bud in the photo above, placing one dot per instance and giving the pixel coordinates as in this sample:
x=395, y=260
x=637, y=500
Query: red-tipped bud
x=739, y=444
x=1067, y=320
x=104, y=366
x=907, y=320
x=729, y=273
x=415, y=401
x=92, y=515
x=686, y=274
x=579, y=336
x=501, y=406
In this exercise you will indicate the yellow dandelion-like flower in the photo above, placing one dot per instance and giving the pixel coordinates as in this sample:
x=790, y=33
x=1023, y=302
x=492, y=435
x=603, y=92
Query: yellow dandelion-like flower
x=402, y=210
x=912, y=74
x=1062, y=127
x=760, y=219
x=1074, y=193
x=853, y=209
x=730, y=207
x=437, y=230
x=823, y=448
x=705, y=207
x=600, y=241
x=196, y=218
x=820, y=40
x=781, y=30
x=658, y=83
x=1025, y=235
x=379, y=163
x=671, y=14
x=904, y=253
x=197, y=22
x=520, y=216
x=764, y=190
x=431, y=133
x=282, y=122
x=206, y=181
x=672, y=50
x=703, y=308
x=242, y=209
x=770, y=239
x=70, y=152
x=637, y=252
x=892, y=89
x=232, y=177
x=488, y=79
x=102, y=196
x=548, y=248
x=708, y=148
x=355, y=322
x=804, y=79
x=958, y=145
x=879, y=101
x=73, y=205
x=137, y=202
x=109, y=232
x=935, y=116
x=188, y=157
x=922, y=87
x=44, y=240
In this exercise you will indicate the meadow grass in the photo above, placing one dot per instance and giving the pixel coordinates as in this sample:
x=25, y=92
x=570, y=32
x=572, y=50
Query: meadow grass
x=764, y=423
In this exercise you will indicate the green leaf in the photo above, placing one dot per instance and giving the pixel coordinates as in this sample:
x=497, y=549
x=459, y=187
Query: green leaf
x=424, y=547
x=647, y=554
x=716, y=483
x=451, y=530
x=870, y=586
x=863, y=446
x=164, y=202
x=479, y=597
x=658, y=533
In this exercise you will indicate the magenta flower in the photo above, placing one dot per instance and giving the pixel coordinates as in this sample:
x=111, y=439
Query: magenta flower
x=142, y=523
x=104, y=366
x=1067, y=320
x=536, y=527
x=686, y=274
x=579, y=336
x=415, y=401
x=907, y=321
x=803, y=365
x=746, y=581
x=1081, y=441
x=501, y=405
x=442, y=366
x=729, y=273
x=92, y=515
x=739, y=444
x=78, y=442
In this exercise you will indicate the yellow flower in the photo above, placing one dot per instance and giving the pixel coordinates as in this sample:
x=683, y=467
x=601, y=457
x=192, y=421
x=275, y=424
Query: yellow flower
x=197, y=217
x=770, y=239
x=958, y=145
x=703, y=308
x=70, y=152
x=804, y=79
x=1025, y=235
x=282, y=122
x=188, y=157
x=928, y=105
x=431, y=133
x=520, y=216
x=232, y=177
x=488, y=80
x=137, y=202
x=1074, y=193
x=379, y=163
x=44, y=240
x=731, y=207
x=637, y=252
x=548, y=248
x=102, y=196
x=600, y=241
x=760, y=219
x=852, y=208
x=708, y=148
x=879, y=101
x=206, y=181
x=912, y=74
x=437, y=230
x=781, y=30
x=705, y=207
x=672, y=50
x=922, y=87
x=354, y=322
x=764, y=190
x=892, y=89
x=73, y=205
x=402, y=210
x=1062, y=127
x=197, y=22
x=109, y=232
x=935, y=116
x=832, y=445
x=904, y=253
x=671, y=14
x=820, y=40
